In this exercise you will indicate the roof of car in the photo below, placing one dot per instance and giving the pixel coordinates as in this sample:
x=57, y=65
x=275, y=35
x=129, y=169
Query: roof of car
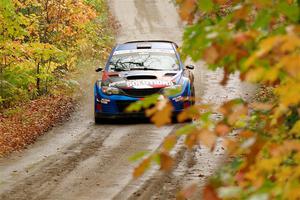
x=151, y=44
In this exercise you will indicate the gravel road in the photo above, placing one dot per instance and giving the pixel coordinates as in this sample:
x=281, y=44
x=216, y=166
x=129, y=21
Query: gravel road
x=79, y=160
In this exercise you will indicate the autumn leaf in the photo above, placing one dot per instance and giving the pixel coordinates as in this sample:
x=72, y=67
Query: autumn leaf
x=186, y=10
x=187, y=192
x=246, y=134
x=230, y=145
x=169, y=142
x=166, y=161
x=222, y=129
x=161, y=114
x=211, y=54
x=207, y=138
x=242, y=13
x=142, y=167
x=296, y=128
x=192, y=139
x=260, y=106
x=193, y=112
x=209, y=193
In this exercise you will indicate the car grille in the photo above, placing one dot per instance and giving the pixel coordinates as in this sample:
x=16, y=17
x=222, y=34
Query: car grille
x=122, y=105
x=141, y=92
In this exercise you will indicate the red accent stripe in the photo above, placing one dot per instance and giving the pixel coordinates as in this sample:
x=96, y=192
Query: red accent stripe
x=98, y=106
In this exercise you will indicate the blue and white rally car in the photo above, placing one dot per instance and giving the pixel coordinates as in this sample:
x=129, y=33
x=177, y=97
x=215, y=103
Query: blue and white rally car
x=138, y=69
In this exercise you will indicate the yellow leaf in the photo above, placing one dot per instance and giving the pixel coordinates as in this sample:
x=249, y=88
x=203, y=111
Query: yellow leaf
x=169, y=142
x=291, y=65
x=296, y=128
x=289, y=93
x=255, y=75
x=268, y=165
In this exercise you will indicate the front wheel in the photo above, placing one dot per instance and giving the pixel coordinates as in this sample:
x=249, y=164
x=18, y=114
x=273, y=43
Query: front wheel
x=97, y=120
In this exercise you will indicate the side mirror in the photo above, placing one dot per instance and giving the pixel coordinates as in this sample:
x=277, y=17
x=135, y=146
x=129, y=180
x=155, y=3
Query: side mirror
x=190, y=67
x=99, y=69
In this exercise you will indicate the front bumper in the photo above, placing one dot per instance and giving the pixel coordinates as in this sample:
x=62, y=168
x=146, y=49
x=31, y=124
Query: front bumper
x=114, y=106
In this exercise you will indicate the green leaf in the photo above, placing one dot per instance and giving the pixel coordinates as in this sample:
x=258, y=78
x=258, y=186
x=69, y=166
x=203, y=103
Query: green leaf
x=206, y=5
x=263, y=19
x=137, y=156
x=186, y=129
x=145, y=103
x=292, y=11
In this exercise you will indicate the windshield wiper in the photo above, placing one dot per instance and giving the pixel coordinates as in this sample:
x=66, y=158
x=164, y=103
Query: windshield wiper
x=125, y=66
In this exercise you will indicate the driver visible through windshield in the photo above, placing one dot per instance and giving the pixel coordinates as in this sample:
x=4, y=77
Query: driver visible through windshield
x=161, y=60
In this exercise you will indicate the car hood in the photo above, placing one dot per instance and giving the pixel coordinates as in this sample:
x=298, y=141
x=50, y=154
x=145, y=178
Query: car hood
x=141, y=79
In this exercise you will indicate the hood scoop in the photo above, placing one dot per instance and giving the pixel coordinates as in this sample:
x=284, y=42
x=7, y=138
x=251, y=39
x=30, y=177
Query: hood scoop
x=139, y=77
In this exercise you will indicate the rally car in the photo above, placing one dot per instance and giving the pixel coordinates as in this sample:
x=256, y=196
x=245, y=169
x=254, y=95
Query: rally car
x=138, y=69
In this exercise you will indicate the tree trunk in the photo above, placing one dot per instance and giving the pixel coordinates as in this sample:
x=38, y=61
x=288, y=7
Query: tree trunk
x=38, y=80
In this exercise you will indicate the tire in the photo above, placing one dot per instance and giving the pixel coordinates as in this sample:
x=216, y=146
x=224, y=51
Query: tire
x=97, y=120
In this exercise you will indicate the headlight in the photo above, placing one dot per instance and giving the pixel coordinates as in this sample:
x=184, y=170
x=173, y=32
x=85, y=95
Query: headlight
x=110, y=90
x=173, y=90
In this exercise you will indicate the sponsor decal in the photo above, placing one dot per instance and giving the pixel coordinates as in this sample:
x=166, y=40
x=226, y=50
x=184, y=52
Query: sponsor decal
x=137, y=83
x=142, y=83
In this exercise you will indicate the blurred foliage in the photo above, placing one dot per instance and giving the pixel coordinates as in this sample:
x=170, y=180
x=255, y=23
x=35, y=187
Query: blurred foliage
x=261, y=41
x=41, y=41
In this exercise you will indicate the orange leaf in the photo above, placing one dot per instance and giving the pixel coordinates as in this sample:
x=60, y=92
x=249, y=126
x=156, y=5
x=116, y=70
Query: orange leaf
x=166, y=161
x=142, y=167
x=161, y=113
x=209, y=193
x=207, y=138
x=187, y=9
x=222, y=129
x=230, y=145
x=187, y=192
x=246, y=134
x=191, y=140
x=242, y=13
x=211, y=54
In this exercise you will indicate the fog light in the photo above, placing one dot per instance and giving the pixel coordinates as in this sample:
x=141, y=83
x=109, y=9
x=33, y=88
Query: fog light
x=105, y=101
x=177, y=99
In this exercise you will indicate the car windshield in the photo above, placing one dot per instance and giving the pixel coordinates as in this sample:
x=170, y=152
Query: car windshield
x=144, y=60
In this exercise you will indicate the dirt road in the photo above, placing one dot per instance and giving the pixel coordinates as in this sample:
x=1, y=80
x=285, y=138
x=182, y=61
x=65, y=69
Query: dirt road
x=81, y=160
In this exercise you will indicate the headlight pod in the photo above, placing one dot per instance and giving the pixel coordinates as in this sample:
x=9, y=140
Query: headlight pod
x=173, y=90
x=110, y=90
